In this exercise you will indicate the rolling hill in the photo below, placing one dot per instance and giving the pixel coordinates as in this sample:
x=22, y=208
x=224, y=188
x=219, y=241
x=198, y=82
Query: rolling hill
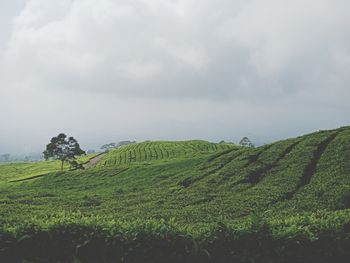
x=162, y=150
x=217, y=202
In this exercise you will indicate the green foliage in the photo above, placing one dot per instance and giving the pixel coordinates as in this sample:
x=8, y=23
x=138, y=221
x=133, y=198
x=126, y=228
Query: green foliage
x=68, y=237
x=344, y=200
x=161, y=151
x=190, y=201
x=63, y=149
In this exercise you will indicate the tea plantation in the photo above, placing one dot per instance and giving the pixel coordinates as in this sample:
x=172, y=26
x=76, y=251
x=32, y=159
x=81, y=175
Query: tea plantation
x=190, y=201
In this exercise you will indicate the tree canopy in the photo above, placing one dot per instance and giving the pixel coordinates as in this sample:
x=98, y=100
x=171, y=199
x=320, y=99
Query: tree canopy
x=63, y=148
x=109, y=146
x=246, y=142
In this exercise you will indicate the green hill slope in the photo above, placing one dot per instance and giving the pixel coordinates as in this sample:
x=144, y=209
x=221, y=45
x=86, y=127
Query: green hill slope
x=297, y=187
x=161, y=150
x=184, y=179
x=10, y=172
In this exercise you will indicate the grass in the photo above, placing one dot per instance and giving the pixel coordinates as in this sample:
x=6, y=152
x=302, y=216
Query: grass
x=291, y=190
x=25, y=170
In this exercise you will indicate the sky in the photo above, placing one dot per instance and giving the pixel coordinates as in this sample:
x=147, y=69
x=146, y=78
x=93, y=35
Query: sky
x=112, y=70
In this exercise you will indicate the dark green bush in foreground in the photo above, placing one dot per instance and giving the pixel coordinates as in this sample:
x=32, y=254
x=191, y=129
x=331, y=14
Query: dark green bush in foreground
x=317, y=237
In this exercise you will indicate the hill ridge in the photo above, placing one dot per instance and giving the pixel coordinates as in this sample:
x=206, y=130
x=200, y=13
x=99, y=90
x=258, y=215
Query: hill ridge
x=143, y=180
x=191, y=201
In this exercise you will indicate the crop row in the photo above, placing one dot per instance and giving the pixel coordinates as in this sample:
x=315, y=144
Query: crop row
x=277, y=170
x=150, y=151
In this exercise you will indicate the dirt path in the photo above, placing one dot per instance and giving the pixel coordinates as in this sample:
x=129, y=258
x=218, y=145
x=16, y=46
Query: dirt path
x=93, y=161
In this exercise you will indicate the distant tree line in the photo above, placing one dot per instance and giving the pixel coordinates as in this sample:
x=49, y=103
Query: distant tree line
x=109, y=146
x=245, y=141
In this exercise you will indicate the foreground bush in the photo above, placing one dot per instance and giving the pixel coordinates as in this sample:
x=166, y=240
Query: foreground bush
x=317, y=237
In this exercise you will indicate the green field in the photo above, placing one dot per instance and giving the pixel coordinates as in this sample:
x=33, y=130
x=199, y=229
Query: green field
x=157, y=151
x=189, y=201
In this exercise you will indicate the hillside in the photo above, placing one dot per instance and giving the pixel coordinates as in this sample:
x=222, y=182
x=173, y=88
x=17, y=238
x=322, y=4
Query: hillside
x=10, y=172
x=298, y=186
x=162, y=150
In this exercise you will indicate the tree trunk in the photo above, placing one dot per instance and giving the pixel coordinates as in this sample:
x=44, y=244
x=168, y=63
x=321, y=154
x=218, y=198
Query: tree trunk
x=62, y=162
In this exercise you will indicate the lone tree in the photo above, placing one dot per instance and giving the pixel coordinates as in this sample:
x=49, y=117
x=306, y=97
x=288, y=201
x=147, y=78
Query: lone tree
x=63, y=149
x=246, y=142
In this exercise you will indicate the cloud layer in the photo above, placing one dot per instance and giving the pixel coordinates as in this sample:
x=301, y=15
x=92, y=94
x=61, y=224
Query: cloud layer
x=229, y=62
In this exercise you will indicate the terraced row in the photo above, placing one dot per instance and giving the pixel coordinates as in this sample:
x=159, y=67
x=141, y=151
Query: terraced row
x=285, y=174
x=162, y=150
x=195, y=186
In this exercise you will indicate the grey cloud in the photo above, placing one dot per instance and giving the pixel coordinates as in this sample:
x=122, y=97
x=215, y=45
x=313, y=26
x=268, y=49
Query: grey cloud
x=156, y=47
x=133, y=68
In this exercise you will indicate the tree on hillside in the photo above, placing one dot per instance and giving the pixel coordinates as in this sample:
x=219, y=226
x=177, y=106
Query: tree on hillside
x=63, y=149
x=246, y=142
x=109, y=146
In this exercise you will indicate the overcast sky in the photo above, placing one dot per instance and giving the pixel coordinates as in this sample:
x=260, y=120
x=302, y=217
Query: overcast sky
x=113, y=70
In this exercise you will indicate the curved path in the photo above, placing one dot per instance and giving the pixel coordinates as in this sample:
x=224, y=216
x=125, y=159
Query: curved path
x=94, y=161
